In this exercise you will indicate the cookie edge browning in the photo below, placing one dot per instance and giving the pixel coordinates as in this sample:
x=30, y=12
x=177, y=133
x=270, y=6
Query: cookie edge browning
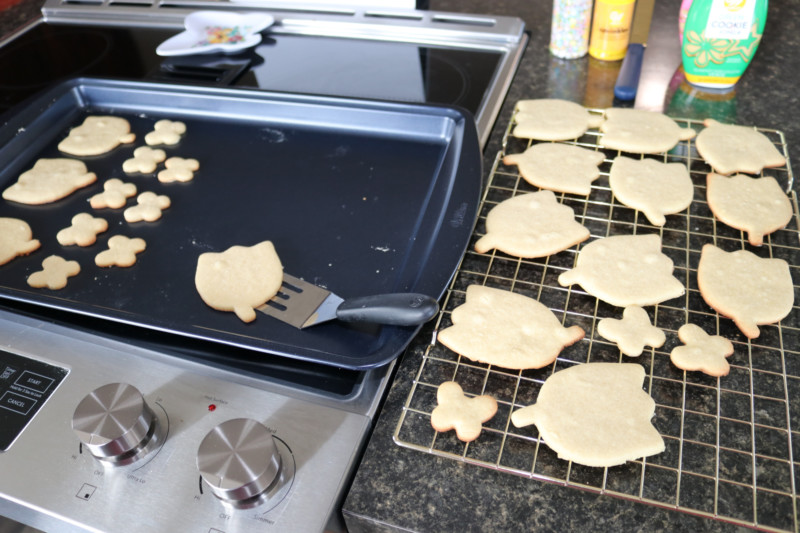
x=749, y=329
x=754, y=238
x=729, y=349
x=449, y=424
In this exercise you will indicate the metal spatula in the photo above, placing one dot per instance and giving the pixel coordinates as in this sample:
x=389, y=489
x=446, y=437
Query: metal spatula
x=304, y=304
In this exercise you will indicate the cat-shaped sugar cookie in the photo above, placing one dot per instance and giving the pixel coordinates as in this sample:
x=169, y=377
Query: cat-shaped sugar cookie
x=531, y=225
x=239, y=279
x=625, y=270
x=751, y=290
x=595, y=414
x=506, y=329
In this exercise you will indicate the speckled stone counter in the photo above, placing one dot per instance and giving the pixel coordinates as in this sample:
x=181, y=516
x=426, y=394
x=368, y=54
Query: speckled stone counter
x=400, y=489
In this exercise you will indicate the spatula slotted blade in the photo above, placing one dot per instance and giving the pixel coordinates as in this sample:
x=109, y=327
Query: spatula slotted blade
x=297, y=302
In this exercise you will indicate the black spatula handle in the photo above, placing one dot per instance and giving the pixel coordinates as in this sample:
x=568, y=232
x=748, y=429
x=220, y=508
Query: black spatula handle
x=396, y=309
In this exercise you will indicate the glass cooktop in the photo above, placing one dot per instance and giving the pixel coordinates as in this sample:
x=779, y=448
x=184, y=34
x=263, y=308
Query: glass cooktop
x=397, y=71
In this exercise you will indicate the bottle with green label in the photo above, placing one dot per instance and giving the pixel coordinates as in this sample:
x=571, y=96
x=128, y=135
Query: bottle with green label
x=720, y=39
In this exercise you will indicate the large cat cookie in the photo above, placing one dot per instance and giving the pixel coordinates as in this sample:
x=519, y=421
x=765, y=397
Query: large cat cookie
x=595, y=414
x=757, y=206
x=558, y=167
x=239, y=279
x=531, y=225
x=625, y=270
x=506, y=329
x=751, y=290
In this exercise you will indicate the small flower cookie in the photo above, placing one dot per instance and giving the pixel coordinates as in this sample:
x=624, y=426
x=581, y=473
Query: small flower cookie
x=457, y=411
x=121, y=252
x=178, y=169
x=633, y=332
x=16, y=238
x=54, y=273
x=702, y=351
x=144, y=160
x=115, y=194
x=148, y=208
x=83, y=231
x=165, y=132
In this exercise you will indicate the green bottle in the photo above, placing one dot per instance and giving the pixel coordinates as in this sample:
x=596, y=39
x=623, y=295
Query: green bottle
x=720, y=39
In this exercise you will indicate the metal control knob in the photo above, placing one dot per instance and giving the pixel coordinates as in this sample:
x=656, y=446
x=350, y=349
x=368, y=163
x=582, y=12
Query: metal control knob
x=115, y=423
x=239, y=461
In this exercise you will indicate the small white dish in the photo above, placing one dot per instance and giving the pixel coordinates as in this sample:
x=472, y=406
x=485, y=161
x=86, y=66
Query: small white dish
x=216, y=31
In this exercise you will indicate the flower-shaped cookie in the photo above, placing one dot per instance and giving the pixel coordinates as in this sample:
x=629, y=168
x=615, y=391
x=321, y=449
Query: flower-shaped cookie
x=178, y=169
x=702, y=351
x=144, y=160
x=83, y=231
x=121, y=251
x=457, y=411
x=165, y=132
x=54, y=273
x=148, y=208
x=115, y=194
x=15, y=239
x=633, y=332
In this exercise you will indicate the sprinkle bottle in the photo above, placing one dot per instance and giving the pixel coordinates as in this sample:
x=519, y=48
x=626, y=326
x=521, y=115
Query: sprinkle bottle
x=569, y=33
x=611, y=29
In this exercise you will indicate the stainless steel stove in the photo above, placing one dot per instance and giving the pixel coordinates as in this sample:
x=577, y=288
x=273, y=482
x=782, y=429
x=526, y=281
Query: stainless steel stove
x=106, y=426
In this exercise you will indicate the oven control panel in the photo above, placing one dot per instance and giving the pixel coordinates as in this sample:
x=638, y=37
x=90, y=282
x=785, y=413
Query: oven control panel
x=25, y=385
x=121, y=440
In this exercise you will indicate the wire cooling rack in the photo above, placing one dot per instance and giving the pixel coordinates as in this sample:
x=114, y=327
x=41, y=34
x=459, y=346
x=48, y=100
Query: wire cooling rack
x=731, y=442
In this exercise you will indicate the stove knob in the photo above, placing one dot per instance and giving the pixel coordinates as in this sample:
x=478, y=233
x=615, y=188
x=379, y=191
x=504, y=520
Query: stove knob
x=239, y=461
x=115, y=423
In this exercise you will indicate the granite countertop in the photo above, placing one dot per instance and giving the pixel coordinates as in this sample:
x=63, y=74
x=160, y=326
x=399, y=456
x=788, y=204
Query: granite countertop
x=400, y=489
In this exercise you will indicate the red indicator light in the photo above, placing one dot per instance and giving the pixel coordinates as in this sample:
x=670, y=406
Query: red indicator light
x=212, y=407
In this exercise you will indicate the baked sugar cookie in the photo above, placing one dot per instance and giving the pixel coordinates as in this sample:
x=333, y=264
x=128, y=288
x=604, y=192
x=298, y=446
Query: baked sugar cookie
x=49, y=180
x=751, y=290
x=83, y=231
x=465, y=414
x=165, y=132
x=144, y=160
x=595, y=414
x=121, y=251
x=178, y=169
x=641, y=132
x=625, y=270
x=506, y=329
x=16, y=238
x=558, y=167
x=728, y=148
x=115, y=194
x=531, y=225
x=239, y=279
x=552, y=119
x=701, y=351
x=757, y=206
x=654, y=188
x=148, y=207
x=633, y=332
x=54, y=274
x=97, y=135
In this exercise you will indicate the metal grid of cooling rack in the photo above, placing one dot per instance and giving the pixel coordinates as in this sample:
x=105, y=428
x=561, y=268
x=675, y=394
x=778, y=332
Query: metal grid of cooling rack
x=731, y=442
